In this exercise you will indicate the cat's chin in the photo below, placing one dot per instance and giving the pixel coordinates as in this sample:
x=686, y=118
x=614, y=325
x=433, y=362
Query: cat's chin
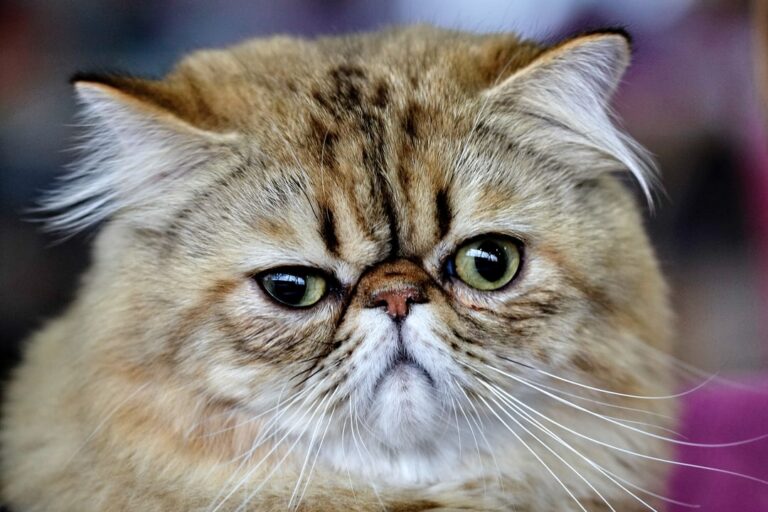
x=404, y=411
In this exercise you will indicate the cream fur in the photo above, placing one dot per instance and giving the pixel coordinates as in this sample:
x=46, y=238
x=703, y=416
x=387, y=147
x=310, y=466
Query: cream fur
x=174, y=383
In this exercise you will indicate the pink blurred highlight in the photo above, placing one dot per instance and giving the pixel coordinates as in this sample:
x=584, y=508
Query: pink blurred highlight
x=722, y=414
x=755, y=176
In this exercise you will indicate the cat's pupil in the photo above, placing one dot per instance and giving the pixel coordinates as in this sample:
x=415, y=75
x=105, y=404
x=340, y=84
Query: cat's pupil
x=490, y=260
x=289, y=288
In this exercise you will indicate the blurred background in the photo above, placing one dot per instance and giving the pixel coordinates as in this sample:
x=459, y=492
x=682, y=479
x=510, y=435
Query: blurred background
x=690, y=97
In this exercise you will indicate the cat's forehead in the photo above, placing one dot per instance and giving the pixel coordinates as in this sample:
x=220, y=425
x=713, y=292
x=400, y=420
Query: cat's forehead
x=365, y=182
x=371, y=135
x=263, y=81
x=391, y=140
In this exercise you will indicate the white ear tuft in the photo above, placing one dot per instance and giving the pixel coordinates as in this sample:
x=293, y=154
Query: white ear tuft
x=564, y=96
x=132, y=150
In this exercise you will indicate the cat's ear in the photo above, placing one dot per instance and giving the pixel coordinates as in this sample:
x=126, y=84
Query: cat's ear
x=139, y=142
x=561, y=100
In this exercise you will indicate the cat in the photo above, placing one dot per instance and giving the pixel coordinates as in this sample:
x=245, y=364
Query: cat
x=394, y=271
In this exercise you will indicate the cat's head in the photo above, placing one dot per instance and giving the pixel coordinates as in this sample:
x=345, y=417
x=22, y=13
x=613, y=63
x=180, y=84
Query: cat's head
x=369, y=234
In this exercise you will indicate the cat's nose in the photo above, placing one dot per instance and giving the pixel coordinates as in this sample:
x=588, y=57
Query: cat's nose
x=395, y=286
x=396, y=301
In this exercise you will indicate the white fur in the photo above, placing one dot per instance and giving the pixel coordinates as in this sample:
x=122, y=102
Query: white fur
x=406, y=433
x=130, y=154
x=573, y=85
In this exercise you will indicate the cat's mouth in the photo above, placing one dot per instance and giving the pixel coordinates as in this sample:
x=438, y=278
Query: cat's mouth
x=404, y=367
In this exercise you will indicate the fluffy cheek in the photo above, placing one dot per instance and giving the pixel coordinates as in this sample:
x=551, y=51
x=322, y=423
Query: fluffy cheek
x=248, y=350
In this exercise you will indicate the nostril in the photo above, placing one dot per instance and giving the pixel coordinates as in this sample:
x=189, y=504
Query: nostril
x=396, y=301
x=377, y=303
x=415, y=299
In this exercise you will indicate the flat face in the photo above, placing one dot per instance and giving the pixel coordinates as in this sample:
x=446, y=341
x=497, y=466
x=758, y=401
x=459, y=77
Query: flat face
x=378, y=247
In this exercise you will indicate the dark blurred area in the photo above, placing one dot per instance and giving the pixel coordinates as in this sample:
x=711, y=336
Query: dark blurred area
x=690, y=97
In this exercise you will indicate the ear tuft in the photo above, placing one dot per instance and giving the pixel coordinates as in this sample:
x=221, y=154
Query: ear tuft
x=616, y=31
x=563, y=97
x=133, y=150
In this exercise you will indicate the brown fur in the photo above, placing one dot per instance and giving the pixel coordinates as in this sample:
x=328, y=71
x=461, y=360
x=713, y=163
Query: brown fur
x=371, y=157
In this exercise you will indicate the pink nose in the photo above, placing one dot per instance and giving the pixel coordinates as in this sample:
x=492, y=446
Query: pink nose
x=397, y=300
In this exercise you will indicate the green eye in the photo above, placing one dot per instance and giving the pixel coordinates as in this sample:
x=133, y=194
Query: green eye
x=486, y=263
x=297, y=287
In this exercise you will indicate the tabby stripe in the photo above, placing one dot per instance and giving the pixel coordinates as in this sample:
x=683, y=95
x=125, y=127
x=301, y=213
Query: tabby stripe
x=389, y=211
x=328, y=231
x=444, y=213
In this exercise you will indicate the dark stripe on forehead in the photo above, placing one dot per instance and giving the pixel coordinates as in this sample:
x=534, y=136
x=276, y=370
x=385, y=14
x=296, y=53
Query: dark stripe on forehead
x=388, y=206
x=380, y=97
x=328, y=231
x=410, y=122
x=322, y=143
x=443, y=213
x=344, y=94
x=355, y=100
x=375, y=161
x=347, y=81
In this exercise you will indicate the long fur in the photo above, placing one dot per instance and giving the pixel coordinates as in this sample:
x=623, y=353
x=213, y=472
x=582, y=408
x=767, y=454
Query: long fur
x=174, y=382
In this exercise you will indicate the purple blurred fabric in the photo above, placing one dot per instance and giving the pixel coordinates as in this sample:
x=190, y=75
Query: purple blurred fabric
x=721, y=414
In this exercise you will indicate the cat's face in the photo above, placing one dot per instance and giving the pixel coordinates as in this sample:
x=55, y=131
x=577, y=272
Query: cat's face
x=372, y=245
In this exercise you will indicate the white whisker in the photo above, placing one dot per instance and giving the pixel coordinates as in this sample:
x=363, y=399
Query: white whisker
x=526, y=416
x=474, y=438
x=344, y=455
x=536, y=455
x=692, y=371
x=458, y=430
x=354, y=420
x=478, y=423
x=629, y=427
x=317, y=454
x=548, y=448
x=642, y=455
x=279, y=464
x=309, y=451
x=610, y=475
x=251, y=419
x=614, y=393
x=276, y=445
x=605, y=404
